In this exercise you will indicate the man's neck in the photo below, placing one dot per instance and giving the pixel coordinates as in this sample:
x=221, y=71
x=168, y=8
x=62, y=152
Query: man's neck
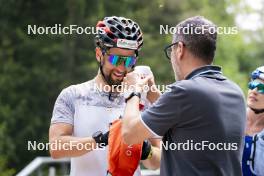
x=255, y=118
x=191, y=65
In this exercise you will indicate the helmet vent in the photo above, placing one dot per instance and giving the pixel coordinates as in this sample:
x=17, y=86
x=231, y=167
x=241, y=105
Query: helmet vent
x=128, y=30
x=111, y=35
x=133, y=29
x=135, y=37
x=119, y=27
x=107, y=40
x=113, y=29
x=110, y=22
x=120, y=35
x=124, y=21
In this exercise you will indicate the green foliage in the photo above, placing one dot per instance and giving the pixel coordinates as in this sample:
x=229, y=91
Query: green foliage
x=3, y=170
x=35, y=68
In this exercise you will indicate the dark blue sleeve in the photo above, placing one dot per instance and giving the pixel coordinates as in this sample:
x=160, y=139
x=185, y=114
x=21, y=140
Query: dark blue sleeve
x=166, y=111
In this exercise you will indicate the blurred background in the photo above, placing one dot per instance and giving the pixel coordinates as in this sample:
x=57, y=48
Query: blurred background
x=35, y=68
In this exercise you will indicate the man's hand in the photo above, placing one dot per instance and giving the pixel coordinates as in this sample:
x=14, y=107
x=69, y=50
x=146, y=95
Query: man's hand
x=101, y=138
x=135, y=82
x=131, y=79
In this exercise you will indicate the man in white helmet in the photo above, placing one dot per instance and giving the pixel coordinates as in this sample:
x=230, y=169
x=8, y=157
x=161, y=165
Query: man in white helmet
x=82, y=113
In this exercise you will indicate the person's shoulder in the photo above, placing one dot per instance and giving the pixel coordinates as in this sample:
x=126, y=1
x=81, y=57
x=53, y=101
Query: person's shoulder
x=183, y=85
x=193, y=88
x=234, y=88
x=178, y=87
x=76, y=89
x=235, y=85
x=85, y=86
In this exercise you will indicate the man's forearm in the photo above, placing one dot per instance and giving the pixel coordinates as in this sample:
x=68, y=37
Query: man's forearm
x=70, y=146
x=131, y=114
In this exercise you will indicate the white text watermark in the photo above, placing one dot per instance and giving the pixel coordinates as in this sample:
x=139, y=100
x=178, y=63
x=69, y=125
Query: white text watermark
x=189, y=145
x=203, y=145
x=58, y=29
x=190, y=29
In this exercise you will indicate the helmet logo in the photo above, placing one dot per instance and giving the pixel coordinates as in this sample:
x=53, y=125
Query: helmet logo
x=129, y=44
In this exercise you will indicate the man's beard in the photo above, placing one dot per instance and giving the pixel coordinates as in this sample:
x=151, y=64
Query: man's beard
x=107, y=77
x=112, y=82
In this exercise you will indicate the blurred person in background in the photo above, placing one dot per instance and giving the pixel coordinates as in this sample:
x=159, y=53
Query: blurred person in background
x=253, y=156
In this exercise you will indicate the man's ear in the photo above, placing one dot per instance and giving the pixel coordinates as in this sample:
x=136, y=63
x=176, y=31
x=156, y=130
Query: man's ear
x=98, y=54
x=180, y=50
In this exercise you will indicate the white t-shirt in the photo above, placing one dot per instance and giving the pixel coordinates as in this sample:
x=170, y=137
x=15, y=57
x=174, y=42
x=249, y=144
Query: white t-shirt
x=89, y=110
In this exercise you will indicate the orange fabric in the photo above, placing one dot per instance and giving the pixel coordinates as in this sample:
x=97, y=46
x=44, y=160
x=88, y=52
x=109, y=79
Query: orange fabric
x=123, y=159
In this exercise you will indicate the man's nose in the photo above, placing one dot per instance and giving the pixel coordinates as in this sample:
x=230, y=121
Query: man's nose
x=255, y=91
x=122, y=67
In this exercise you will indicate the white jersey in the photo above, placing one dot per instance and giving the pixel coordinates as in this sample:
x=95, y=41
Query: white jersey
x=88, y=110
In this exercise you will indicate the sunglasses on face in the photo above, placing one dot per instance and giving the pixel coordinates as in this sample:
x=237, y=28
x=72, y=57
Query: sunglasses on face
x=116, y=60
x=253, y=84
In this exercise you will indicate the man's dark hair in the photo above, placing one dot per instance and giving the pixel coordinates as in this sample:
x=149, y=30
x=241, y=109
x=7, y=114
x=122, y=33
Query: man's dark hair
x=199, y=36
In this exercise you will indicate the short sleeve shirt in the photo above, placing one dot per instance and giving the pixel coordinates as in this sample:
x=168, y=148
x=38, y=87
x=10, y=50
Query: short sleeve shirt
x=202, y=121
x=88, y=110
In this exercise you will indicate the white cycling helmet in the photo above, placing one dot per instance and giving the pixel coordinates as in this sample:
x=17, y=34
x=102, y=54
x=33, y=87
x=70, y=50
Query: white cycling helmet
x=258, y=73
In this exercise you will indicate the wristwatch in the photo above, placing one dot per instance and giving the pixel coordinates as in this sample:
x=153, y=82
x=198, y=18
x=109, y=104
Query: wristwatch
x=97, y=136
x=129, y=95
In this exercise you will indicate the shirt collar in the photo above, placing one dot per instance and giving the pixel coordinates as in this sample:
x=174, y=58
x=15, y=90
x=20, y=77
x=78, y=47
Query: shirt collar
x=208, y=69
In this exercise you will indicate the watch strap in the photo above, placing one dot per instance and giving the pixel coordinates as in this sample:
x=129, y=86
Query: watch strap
x=132, y=95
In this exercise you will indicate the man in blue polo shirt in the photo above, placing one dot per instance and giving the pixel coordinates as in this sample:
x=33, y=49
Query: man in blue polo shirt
x=201, y=118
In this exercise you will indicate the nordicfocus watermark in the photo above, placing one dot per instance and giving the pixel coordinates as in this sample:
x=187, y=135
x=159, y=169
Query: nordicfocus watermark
x=189, y=145
x=59, y=145
x=190, y=29
x=59, y=29
x=125, y=87
x=198, y=146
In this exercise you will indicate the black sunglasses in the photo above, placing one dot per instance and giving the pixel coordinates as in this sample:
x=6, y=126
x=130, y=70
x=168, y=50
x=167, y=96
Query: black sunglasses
x=168, y=49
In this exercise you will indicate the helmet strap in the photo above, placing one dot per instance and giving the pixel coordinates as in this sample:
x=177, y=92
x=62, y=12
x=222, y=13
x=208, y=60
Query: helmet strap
x=102, y=73
x=101, y=68
x=257, y=111
x=105, y=79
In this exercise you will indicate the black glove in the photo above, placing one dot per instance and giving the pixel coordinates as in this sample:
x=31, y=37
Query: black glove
x=101, y=138
x=146, y=150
